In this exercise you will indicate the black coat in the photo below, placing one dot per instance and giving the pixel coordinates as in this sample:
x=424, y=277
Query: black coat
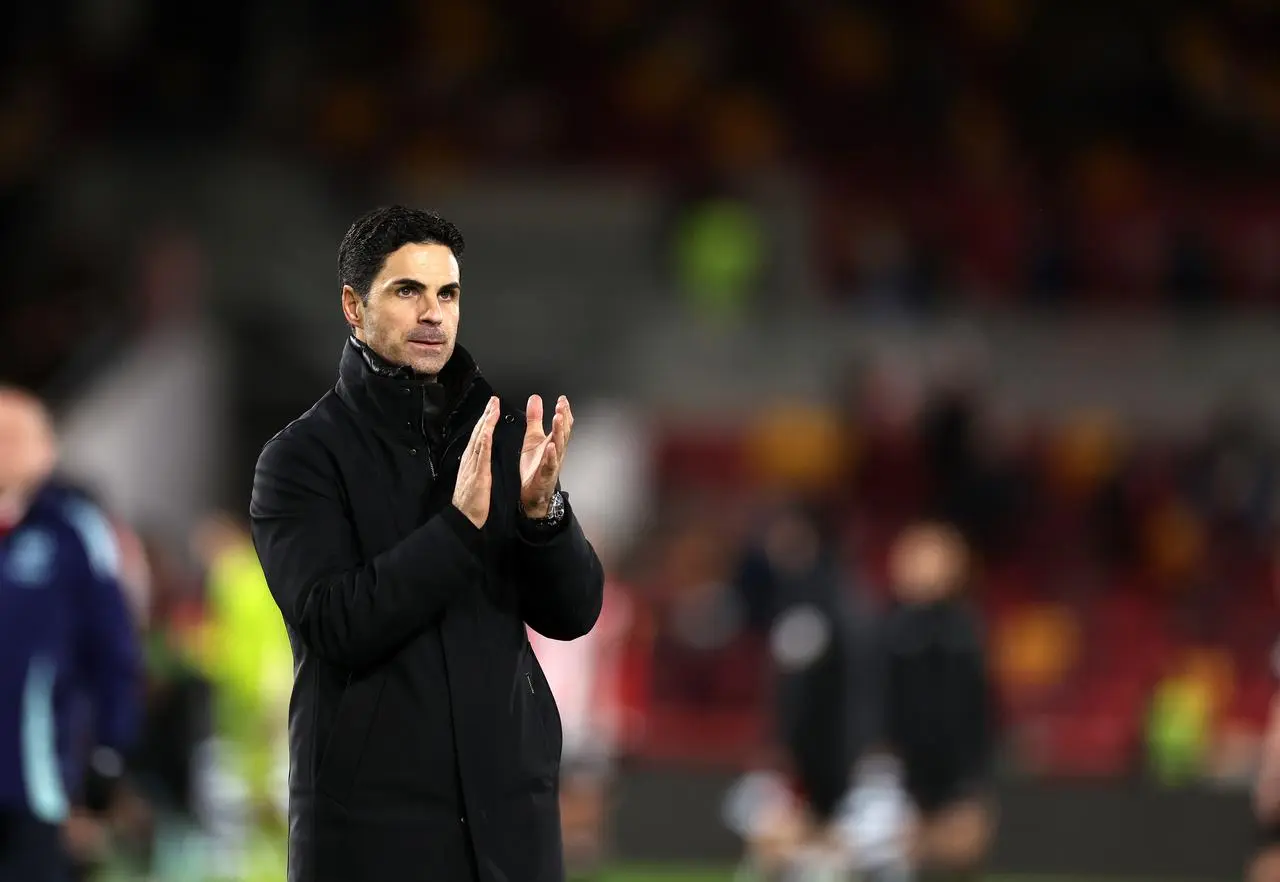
x=822, y=699
x=424, y=740
x=938, y=712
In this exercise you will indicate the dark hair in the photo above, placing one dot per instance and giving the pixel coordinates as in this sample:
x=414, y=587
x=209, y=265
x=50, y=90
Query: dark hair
x=380, y=232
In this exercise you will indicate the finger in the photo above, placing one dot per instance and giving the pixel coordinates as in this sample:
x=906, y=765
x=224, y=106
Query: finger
x=489, y=427
x=564, y=408
x=550, y=465
x=533, y=419
x=560, y=430
x=478, y=429
x=484, y=456
x=479, y=467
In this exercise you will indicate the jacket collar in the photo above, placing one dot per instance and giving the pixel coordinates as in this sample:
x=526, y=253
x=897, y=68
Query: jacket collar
x=395, y=397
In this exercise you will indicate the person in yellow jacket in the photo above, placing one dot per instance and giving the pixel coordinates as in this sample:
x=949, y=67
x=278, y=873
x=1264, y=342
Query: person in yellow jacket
x=245, y=652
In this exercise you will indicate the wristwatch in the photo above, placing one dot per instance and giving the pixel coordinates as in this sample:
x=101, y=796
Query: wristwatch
x=555, y=513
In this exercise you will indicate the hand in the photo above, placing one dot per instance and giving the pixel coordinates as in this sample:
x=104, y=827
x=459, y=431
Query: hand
x=542, y=454
x=475, y=473
x=84, y=836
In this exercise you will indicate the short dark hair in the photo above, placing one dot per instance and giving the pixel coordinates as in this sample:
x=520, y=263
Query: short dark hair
x=384, y=230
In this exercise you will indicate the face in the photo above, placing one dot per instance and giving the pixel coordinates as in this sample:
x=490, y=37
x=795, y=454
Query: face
x=411, y=314
x=27, y=450
x=926, y=563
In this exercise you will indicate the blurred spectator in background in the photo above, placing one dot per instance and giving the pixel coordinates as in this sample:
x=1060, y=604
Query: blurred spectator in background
x=246, y=656
x=818, y=638
x=937, y=699
x=1265, y=866
x=67, y=644
x=1183, y=712
x=814, y=645
x=584, y=678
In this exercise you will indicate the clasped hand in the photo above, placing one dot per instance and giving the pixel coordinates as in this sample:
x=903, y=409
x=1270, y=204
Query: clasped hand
x=541, y=456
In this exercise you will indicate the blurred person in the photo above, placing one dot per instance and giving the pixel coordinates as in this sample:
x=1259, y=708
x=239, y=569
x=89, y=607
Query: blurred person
x=70, y=666
x=583, y=675
x=246, y=656
x=1265, y=864
x=159, y=832
x=1180, y=723
x=411, y=526
x=818, y=646
x=936, y=700
x=814, y=645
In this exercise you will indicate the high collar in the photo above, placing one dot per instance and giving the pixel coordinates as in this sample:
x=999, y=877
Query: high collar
x=397, y=398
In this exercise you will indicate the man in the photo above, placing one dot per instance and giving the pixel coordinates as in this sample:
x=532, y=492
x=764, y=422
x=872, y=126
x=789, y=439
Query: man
x=410, y=527
x=67, y=646
x=937, y=715
x=817, y=637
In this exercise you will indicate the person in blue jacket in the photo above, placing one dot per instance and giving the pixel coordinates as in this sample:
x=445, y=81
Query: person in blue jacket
x=67, y=645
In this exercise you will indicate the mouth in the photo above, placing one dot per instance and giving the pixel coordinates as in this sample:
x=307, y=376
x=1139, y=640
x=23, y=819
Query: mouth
x=426, y=345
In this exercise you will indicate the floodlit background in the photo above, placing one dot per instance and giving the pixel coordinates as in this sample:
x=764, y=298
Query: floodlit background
x=1014, y=263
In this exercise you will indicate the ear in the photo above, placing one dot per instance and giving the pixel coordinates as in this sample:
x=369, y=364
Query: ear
x=352, y=307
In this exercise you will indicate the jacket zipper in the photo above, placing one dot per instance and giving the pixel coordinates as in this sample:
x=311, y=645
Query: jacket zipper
x=422, y=415
x=528, y=678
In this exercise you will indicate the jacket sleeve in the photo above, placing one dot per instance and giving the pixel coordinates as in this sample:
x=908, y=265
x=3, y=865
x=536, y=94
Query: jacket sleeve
x=110, y=650
x=350, y=611
x=562, y=580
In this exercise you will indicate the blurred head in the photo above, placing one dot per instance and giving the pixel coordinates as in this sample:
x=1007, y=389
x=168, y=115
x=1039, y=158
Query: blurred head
x=792, y=543
x=27, y=448
x=214, y=535
x=928, y=561
x=401, y=287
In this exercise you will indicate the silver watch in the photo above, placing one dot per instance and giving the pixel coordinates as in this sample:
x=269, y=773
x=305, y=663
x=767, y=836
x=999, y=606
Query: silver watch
x=555, y=512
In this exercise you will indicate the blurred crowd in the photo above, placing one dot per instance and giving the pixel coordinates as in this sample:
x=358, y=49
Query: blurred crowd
x=1127, y=581
x=973, y=153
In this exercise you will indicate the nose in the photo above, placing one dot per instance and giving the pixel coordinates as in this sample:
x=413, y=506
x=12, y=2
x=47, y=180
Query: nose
x=432, y=313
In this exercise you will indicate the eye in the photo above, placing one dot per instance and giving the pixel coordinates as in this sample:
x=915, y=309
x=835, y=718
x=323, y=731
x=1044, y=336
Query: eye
x=407, y=291
x=449, y=294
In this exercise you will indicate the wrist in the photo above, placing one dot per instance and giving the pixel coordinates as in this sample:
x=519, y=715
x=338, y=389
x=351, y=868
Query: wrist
x=543, y=515
x=537, y=509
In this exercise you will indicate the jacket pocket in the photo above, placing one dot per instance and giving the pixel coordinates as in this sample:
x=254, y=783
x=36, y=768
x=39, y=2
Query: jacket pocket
x=351, y=726
x=546, y=714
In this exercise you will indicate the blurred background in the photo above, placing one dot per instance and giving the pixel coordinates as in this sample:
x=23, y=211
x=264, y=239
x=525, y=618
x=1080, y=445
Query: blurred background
x=1010, y=264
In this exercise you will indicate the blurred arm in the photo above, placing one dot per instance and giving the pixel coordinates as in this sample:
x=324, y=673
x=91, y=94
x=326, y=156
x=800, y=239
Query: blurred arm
x=349, y=611
x=110, y=655
x=110, y=649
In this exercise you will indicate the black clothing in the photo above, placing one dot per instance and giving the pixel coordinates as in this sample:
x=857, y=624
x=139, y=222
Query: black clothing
x=424, y=740
x=1266, y=835
x=822, y=671
x=31, y=850
x=937, y=701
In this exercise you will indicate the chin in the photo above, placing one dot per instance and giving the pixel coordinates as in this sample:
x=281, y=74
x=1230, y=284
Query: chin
x=431, y=366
